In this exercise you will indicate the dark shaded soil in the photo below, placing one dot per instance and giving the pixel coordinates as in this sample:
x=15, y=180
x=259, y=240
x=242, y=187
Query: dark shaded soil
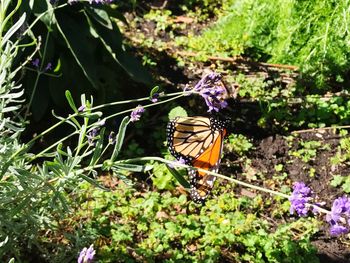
x=274, y=150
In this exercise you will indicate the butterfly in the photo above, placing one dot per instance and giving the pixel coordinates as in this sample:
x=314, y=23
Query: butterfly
x=199, y=141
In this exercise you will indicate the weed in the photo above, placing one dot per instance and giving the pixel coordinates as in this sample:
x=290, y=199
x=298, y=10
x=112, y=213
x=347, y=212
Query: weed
x=238, y=144
x=307, y=150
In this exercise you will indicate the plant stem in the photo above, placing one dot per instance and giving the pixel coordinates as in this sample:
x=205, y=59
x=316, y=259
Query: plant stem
x=141, y=159
x=146, y=106
x=134, y=100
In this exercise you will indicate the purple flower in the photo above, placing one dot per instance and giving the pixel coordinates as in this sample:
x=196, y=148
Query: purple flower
x=101, y=122
x=337, y=230
x=300, y=197
x=91, y=136
x=211, y=88
x=87, y=255
x=36, y=62
x=111, y=138
x=81, y=108
x=178, y=161
x=155, y=97
x=136, y=113
x=340, y=216
x=48, y=66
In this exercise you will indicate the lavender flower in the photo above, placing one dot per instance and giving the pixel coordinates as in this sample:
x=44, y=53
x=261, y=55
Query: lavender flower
x=178, y=161
x=111, y=138
x=36, y=62
x=300, y=197
x=136, y=113
x=101, y=122
x=155, y=97
x=48, y=66
x=81, y=108
x=337, y=230
x=91, y=136
x=339, y=218
x=211, y=88
x=87, y=255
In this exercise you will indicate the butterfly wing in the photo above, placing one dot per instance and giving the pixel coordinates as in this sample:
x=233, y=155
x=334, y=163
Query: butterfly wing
x=201, y=182
x=198, y=141
x=188, y=137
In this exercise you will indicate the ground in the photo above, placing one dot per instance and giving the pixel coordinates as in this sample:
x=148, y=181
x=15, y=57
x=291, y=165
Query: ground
x=274, y=150
x=282, y=148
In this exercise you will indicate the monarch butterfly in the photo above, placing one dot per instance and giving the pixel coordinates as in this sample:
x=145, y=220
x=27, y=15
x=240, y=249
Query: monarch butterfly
x=198, y=141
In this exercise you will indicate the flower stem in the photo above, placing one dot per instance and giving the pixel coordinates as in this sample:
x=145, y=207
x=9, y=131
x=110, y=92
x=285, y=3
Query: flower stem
x=141, y=159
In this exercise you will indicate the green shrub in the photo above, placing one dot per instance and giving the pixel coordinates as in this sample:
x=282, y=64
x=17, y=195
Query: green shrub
x=309, y=34
x=166, y=227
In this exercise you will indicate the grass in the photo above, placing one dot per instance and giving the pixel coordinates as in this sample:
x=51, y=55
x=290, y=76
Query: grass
x=312, y=35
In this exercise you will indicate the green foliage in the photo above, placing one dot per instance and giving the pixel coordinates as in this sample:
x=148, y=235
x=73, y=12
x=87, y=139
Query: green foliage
x=343, y=181
x=164, y=227
x=35, y=195
x=311, y=34
x=161, y=17
x=342, y=156
x=93, y=68
x=177, y=112
x=239, y=144
x=282, y=107
x=162, y=178
x=47, y=209
x=343, y=152
x=313, y=111
x=307, y=150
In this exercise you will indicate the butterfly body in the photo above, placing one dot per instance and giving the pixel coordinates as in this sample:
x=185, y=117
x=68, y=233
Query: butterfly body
x=197, y=140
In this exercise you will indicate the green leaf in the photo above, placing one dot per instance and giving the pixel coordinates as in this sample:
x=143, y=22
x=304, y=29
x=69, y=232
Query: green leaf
x=58, y=66
x=122, y=176
x=162, y=178
x=92, y=115
x=346, y=185
x=98, y=148
x=112, y=40
x=93, y=182
x=58, y=195
x=100, y=16
x=73, y=33
x=13, y=29
x=113, y=12
x=177, y=112
x=45, y=11
x=154, y=90
x=71, y=101
x=337, y=180
x=120, y=138
x=2, y=243
x=178, y=177
x=133, y=167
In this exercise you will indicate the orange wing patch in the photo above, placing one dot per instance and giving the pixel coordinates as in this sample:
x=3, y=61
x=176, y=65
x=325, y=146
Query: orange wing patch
x=201, y=182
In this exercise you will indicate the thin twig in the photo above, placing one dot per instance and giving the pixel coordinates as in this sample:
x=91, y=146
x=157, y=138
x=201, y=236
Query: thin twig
x=237, y=60
x=322, y=129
